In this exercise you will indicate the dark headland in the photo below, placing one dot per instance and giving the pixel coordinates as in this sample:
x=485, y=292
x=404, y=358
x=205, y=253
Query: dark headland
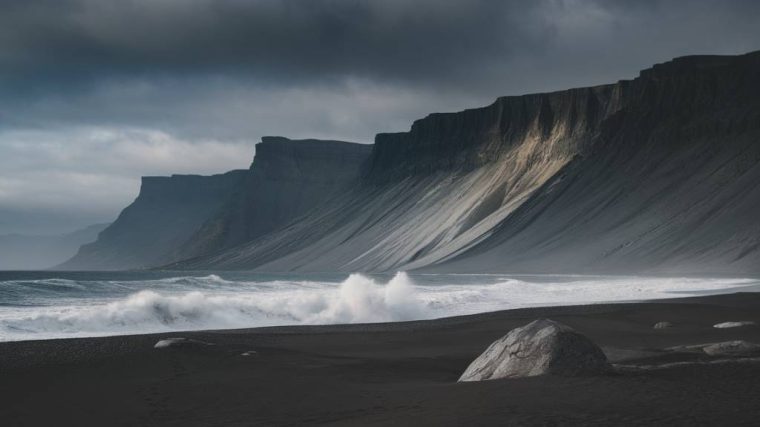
x=392, y=374
x=654, y=175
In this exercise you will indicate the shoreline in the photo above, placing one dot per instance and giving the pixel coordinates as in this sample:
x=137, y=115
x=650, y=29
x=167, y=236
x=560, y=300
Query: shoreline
x=381, y=373
x=76, y=323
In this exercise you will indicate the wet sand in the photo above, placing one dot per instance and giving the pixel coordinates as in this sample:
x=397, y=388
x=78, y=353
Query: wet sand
x=391, y=374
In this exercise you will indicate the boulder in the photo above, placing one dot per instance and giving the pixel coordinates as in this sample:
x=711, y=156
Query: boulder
x=542, y=347
x=732, y=348
x=663, y=325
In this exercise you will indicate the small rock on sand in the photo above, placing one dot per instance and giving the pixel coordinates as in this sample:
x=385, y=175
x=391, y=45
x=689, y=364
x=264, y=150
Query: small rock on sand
x=542, y=347
x=662, y=325
x=733, y=324
x=179, y=342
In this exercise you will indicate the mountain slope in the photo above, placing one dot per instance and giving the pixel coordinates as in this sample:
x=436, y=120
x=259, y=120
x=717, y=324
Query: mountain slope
x=671, y=187
x=185, y=216
x=654, y=174
x=165, y=214
x=286, y=179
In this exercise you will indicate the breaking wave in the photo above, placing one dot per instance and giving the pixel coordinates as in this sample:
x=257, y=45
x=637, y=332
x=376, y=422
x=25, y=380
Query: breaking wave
x=53, y=308
x=358, y=299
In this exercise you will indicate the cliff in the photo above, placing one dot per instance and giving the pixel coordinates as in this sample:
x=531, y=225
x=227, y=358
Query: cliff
x=656, y=174
x=165, y=214
x=464, y=141
x=670, y=186
x=287, y=178
x=186, y=216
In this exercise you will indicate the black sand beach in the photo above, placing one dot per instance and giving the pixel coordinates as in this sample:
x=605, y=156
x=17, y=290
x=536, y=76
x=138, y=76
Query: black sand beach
x=391, y=374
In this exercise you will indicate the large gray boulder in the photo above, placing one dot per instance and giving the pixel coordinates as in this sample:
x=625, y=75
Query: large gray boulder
x=542, y=347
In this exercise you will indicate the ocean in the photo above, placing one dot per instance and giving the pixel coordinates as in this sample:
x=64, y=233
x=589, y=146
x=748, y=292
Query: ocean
x=47, y=305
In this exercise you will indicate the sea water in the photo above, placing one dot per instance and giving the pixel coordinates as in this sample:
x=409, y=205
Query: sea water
x=44, y=305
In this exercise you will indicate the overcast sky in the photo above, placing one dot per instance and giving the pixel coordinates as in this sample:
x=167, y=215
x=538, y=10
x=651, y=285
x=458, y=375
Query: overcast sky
x=96, y=93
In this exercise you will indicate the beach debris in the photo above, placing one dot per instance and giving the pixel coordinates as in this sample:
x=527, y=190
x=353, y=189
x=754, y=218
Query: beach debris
x=542, y=347
x=180, y=342
x=725, y=325
x=662, y=325
x=732, y=348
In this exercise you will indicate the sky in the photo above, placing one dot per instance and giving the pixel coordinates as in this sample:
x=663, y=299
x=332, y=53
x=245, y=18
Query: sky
x=96, y=93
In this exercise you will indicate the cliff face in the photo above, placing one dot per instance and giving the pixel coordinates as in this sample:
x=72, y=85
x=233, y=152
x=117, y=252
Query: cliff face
x=287, y=178
x=184, y=216
x=431, y=192
x=670, y=186
x=653, y=174
x=559, y=122
x=164, y=215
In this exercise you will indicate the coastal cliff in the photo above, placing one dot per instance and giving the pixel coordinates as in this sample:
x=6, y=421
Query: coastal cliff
x=652, y=174
x=185, y=216
x=162, y=217
x=669, y=187
x=560, y=122
x=287, y=178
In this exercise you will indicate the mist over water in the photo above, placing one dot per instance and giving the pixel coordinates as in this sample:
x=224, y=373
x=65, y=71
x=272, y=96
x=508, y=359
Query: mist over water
x=40, y=306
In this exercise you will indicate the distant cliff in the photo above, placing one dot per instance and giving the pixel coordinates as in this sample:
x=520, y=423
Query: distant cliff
x=287, y=179
x=657, y=174
x=165, y=214
x=185, y=216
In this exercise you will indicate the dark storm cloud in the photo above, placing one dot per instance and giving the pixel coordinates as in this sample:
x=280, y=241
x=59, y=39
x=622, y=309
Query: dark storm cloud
x=281, y=41
x=50, y=47
x=94, y=93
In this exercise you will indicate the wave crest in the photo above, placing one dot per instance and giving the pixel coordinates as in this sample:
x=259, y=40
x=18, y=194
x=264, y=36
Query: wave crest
x=358, y=299
x=66, y=308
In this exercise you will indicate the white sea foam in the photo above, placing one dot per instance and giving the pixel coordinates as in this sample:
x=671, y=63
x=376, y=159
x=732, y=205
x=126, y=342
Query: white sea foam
x=211, y=302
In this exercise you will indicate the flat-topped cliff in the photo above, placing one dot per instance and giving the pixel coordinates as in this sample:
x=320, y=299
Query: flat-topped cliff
x=670, y=186
x=162, y=217
x=655, y=174
x=287, y=178
x=651, y=174
x=466, y=140
x=184, y=216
